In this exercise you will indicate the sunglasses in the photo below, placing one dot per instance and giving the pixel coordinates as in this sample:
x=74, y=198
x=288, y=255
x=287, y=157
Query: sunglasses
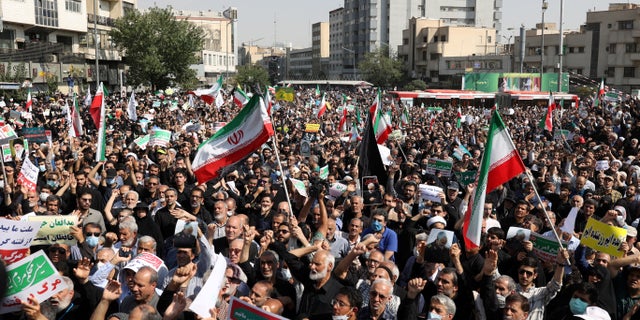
x=374, y=294
x=526, y=272
x=95, y=234
x=58, y=250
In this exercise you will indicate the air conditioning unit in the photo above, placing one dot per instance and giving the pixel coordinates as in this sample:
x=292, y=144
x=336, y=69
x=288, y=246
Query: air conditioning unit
x=51, y=58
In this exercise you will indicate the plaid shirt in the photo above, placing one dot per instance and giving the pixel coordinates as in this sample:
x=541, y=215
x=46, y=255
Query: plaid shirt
x=539, y=297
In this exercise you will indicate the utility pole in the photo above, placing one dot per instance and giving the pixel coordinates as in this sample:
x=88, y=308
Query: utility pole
x=561, y=55
x=545, y=5
x=95, y=38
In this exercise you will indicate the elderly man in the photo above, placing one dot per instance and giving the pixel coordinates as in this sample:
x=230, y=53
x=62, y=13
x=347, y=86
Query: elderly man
x=380, y=294
x=143, y=290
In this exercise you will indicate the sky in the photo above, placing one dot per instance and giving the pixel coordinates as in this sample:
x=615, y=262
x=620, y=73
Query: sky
x=293, y=18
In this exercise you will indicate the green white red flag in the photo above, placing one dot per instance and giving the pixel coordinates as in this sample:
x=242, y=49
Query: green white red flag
x=342, y=126
x=500, y=163
x=209, y=95
x=239, y=97
x=381, y=128
x=244, y=134
x=98, y=113
x=323, y=107
x=547, y=122
x=29, y=105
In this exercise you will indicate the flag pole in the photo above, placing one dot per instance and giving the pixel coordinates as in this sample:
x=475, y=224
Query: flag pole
x=284, y=180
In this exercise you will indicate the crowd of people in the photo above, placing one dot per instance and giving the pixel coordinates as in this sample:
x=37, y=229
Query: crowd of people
x=374, y=250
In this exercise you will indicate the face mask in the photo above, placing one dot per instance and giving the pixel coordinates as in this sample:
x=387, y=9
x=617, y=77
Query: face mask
x=433, y=315
x=100, y=264
x=52, y=183
x=43, y=168
x=366, y=255
x=620, y=220
x=345, y=317
x=44, y=196
x=502, y=301
x=229, y=213
x=92, y=241
x=376, y=226
x=578, y=306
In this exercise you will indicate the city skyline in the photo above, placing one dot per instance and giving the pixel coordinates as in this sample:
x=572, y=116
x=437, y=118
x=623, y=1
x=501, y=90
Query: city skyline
x=256, y=18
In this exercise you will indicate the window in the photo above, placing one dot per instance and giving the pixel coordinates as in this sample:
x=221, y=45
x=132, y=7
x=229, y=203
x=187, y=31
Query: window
x=630, y=47
x=488, y=39
x=444, y=39
x=580, y=49
x=612, y=48
x=611, y=72
x=625, y=25
x=424, y=56
x=73, y=5
x=629, y=72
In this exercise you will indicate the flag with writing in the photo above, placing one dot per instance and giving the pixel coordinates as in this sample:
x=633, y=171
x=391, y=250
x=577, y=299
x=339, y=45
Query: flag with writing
x=244, y=134
x=500, y=163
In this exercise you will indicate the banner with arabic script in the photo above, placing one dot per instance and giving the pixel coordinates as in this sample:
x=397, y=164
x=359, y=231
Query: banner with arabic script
x=34, y=275
x=15, y=239
x=55, y=229
x=603, y=237
x=545, y=249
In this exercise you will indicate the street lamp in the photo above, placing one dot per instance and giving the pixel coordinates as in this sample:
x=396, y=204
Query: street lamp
x=353, y=66
x=509, y=49
x=545, y=5
x=561, y=54
x=232, y=15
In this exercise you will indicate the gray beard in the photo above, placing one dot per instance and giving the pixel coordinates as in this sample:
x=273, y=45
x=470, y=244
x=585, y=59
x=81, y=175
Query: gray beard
x=317, y=276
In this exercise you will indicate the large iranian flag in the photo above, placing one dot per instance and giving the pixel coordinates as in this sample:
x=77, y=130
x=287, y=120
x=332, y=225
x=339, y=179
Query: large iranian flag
x=244, y=134
x=381, y=128
x=500, y=163
x=209, y=95
x=98, y=112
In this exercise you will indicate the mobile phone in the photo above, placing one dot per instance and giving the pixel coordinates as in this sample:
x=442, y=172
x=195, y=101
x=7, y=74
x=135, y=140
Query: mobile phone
x=124, y=254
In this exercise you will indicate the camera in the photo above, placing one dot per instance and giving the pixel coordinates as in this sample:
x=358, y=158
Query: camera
x=316, y=186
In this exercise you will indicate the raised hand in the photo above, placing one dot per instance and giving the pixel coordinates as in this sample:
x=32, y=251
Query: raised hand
x=83, y=270
x=112, y=291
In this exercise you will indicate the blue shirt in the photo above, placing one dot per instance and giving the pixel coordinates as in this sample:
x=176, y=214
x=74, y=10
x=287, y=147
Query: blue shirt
x=389, y=241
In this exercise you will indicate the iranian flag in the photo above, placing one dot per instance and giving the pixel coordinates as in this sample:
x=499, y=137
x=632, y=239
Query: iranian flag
x=354, y=136
x=381, y=127
x=267, y=100
x=342, y=126
x=209, y=95
x=601, y=89
x=87, y=98
x=404, y=117
x=459, y=118
x=76, y=119
x=29, y=105
x=500, y=163
x=239, y=97
x=547, y=122
x=244, y=134
x=98, y=114
x=323, y=107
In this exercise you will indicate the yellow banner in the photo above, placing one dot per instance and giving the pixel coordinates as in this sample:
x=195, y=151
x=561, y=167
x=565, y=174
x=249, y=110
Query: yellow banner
x=285, y=94
x=54, y=229
x=312, y=127
x=603, y=237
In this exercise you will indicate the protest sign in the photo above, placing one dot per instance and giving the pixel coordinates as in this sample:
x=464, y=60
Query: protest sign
x=324, y=172
x=142, y=141
x=28, y=176
x=160, y=137
x=436, y=165
x=430, y=193
x=6, y=153
x=466, y=177
x=187, y=227
x=15, y=239
x=544, y=248
x=54, y=229
x=6, y=131
x=35, y=134
x=603, y=237
x=300, y=187
x=240, y=310
x=312, y=127
x=602, y=165
x=337, y=189
x=442, y=238
x=34, y=275
x=208, y=295
x=520, y=234
x=145, y=259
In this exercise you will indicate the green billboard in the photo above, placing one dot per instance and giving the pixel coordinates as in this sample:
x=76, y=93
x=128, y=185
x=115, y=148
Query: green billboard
x=501, y=82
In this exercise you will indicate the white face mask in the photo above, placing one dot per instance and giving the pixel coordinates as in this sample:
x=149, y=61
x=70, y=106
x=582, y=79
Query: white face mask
x=502, y=301
x=345, y=317
x=44, y=196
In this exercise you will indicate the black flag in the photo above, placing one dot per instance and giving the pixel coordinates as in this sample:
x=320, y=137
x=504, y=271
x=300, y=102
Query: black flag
x=370, y=163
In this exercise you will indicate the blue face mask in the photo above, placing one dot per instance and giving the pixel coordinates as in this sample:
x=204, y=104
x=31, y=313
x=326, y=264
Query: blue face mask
x=376, y=226
x=52, y=183
x=578, y=306
x=433, y=315
x=92, y=241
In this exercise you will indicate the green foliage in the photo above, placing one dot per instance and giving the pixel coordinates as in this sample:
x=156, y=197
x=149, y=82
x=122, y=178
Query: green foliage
x=158, y=48
x=585, y=92
x=252, y=76
x=14, y=73
x=415, y=85
x=381, y=70
x=52, y=82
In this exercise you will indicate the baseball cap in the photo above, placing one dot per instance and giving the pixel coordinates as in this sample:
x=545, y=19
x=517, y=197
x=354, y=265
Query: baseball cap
x=453, y=186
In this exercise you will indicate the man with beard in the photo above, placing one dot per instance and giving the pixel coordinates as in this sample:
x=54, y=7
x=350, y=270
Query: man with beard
x=143, y=290
x=59, y=307
x=220, y=219
x=128, y=236
x=165, y=217
x=319, y=284
x=85, y=213
x=260, y=292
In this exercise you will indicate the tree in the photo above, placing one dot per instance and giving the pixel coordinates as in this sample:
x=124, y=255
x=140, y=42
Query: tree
x=158, y=48
x=252, y=76
x=381, y=70
x=416, y=85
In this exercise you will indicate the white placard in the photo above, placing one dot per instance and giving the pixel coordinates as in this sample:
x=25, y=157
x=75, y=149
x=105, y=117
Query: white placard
x=430, y=193
x=208, y=295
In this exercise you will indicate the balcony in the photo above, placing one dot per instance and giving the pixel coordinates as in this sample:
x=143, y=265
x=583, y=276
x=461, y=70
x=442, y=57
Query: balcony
x=32, y=51
x=102, y=20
